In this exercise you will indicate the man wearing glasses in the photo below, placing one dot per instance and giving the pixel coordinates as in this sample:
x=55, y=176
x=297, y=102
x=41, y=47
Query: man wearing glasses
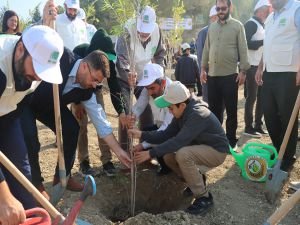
x=225, y=57
x=80, y=78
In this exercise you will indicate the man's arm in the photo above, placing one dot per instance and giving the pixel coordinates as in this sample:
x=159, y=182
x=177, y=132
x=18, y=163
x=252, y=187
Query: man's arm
x=250, y=30
x=160, y=52
x=2, y=83
x=242, y=48
x=123, y=64
x=200, y=45
x=141, y=104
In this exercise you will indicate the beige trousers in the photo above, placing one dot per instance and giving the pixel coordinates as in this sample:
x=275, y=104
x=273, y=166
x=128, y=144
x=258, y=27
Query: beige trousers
x=185, y=163
x=82, y=144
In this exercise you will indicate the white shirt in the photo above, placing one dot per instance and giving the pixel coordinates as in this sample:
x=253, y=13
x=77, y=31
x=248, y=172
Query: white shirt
x=91, y=30
x=93, y=109
x=72, y=32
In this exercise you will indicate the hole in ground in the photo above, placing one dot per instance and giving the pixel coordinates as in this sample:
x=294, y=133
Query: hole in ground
x=154, y=194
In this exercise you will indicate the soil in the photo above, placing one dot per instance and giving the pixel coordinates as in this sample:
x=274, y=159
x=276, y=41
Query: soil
x=159, y=199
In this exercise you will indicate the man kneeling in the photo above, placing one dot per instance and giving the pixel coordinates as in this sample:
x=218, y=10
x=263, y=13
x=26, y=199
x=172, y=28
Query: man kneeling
x=194, y=138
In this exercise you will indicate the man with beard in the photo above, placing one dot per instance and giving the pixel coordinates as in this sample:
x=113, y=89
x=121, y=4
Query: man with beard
x=279, y=74
x=144, y=38
x=225, y=48
x=154, y=84
x=71, y=29
x=24, y=62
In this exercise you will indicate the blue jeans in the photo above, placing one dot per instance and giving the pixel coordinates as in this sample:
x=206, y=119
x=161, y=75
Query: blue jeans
x=13, y=147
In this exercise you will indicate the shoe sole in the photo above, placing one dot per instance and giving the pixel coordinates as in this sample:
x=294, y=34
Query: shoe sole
x=203, y=213
x=252, y=135
x=109, y=174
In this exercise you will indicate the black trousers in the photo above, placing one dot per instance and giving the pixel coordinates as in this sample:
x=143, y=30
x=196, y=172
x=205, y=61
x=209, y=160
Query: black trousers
x=279, y=93
x=223, y=91
x=253, y=94
x=70, y=131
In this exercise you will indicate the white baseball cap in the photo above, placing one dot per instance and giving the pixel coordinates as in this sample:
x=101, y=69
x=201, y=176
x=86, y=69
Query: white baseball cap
x=151, y=72
x=261, y=3
x=175, y=93
x=81, y=14
x=147, y=20
x=45, y=46
x=185, y=46
x=73, y=4
x=213, y=11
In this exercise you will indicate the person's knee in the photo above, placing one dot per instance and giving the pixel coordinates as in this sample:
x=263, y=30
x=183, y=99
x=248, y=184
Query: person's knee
x=183, y=156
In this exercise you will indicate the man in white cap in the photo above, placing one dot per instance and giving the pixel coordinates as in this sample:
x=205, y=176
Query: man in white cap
x=279, y=74
x=255, y=33
x=213, y=16
x=71, y=29
x=24, y=62
x=90, y=28
x=144, y=37
x=194, y=138
x=154, y=84
x=187, y=68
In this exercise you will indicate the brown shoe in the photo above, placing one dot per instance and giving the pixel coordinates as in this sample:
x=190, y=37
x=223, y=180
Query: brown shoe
x=42, y=190
x=72, y=184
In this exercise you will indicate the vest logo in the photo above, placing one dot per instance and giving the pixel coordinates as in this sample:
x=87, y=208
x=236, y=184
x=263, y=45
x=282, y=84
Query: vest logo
x=282, y=22
x=256, y=168
x=146, y=74
x=146, y=19
x=53, y=57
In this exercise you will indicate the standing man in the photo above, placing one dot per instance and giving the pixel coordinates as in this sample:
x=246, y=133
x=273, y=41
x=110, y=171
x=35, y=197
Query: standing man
x=24, y=62
x=279, y=74
x=90, y=28
x=213, y=16
x=225, y=48
x=255, y=34
x=145, y=37
x=187, y=68
x=71, y=28
x=195, y=137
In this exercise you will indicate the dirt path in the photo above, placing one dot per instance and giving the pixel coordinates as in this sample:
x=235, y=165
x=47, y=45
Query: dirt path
x=159, y=199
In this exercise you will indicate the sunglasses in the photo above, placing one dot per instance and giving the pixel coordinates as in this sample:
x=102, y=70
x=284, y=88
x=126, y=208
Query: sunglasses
x=223, y=9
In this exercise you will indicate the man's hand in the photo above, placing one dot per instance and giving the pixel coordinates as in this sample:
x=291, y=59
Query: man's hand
x=79, y=111
x=203, y=76
x=11, y=210
x=241, y=77
x=124, y=158
x=298, y=78
x=258, y=77
x=49, y=13
x=142, y=156
x=135, y=133
x=130, y=120
x=123, y=120
x=138, y=148
x=132, y=79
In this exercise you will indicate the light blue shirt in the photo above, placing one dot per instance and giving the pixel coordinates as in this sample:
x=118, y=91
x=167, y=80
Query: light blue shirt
x=297, y=13
x=93, y=109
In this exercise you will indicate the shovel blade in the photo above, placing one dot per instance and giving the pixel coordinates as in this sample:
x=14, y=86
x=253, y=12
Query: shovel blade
x=275, y=181
x=57, y=193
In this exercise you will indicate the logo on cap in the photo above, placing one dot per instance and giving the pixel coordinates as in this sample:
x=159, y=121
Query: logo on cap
x=53, y=57
x=74, y=1
x=146, y=74
x=146, y=19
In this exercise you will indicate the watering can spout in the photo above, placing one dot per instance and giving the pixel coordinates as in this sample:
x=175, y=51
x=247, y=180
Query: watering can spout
x=237, y=156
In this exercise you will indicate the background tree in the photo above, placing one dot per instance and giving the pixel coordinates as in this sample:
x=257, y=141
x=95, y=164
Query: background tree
x=35, y=14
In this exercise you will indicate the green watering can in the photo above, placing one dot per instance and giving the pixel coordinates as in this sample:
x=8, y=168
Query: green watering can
x=255, y=159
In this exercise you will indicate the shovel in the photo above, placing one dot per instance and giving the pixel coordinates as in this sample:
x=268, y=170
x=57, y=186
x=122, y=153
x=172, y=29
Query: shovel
x=284, y=209
x=59, y=219
x=58, y=189
x=275, y=176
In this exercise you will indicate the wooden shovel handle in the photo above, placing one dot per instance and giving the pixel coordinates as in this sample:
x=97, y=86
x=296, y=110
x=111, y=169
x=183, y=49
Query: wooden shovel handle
x=289, y=128
x=284, y=209
x=29, y=187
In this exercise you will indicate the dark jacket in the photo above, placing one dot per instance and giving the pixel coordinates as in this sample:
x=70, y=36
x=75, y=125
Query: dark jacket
x=198, y=125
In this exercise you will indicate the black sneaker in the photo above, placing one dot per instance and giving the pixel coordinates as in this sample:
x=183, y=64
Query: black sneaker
x=252, y=133
x=109, y=169
x=261, y=131
x=288, y=165
x=201, y=205
x=163, y=171
x=86, y=169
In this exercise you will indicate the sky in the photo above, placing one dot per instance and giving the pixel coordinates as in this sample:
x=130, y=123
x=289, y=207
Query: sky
x=22, y=7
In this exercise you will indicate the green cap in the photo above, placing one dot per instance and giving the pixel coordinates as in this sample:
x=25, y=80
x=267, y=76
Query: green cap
x=160, y=102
